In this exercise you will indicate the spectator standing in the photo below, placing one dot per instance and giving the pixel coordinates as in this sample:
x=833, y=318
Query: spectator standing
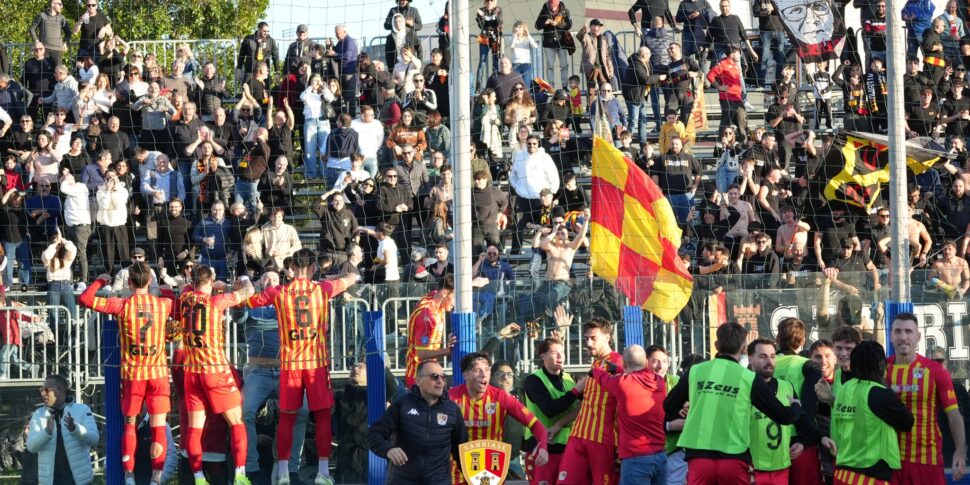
x=276, y=186
x=489, y=20
x=174, y=236
x=695, y=15
x=93, y=26
x=210, y=89
x=77, y=219
x=597, y=57
x=62, y=433
x=112, y=198
x=400, y=37
x=728, y=78
x=489, y=204
x=65, y=93
x=679, y=88
x=213, y=234
x=678, y=175
x=520, y=51
x=773, y=38
x=341, y=144
x=954, y=30
x=503, y=82
x=726, y=30
x=14, y=99
x=874, y=32
x=412, y=18
x=256, y=48
x=555, y=22
x=531, y=173
x=57, y=259
x=918, y=15
x=51, y=29
x=299, y=50
x=345, y=54
x=421, y=100
x=38, y=76
x=338, y=229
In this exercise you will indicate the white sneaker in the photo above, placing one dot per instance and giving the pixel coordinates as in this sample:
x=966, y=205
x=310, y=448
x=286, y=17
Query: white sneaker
x=322, y=480
x=283, y=480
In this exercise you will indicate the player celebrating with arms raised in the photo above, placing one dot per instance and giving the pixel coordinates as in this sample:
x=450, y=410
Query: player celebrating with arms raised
x=209, y=381
x=144, y=373
x=302, y=307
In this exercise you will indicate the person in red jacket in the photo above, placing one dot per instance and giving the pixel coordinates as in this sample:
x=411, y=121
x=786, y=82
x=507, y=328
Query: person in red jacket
x=728, y=78
x=640, y=394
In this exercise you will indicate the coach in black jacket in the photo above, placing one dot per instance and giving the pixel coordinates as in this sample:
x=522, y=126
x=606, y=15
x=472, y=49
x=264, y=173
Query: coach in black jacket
x=420, y=432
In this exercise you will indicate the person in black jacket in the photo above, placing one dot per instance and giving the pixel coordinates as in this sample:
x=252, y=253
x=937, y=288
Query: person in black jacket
x=255, y=48
x=412, y=18
x=350, y=419
x=420, y=432
x=555, y=22
x=395, y=203
x=338, y=226
x=639, y=80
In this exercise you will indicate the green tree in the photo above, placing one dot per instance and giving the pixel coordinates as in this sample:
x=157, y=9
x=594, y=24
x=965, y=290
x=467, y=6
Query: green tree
x=148, y=20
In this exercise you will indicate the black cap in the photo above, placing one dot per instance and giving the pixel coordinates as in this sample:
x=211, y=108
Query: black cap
x=302, y=28
x=595, y=22
x=848, y=243
x=560, y=95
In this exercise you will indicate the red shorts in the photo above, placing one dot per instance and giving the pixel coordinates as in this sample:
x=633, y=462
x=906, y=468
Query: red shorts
x=726, y=471
x=919, y=474
x=153, y=392
x=547, y=474
x=316, y=382
x=585, y=462
x=849, y=477
x=777, y=477
x=807, y=468
x=217, y=392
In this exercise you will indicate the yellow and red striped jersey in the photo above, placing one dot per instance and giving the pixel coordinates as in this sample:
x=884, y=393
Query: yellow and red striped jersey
x=302, y=309
x=596, y=421
x=925, y=387
x=203, y=330
x=485, y=418
x=142, y=319
x=426, y=331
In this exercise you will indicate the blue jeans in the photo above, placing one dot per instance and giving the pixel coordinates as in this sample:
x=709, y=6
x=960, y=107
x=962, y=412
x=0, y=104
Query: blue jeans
x=526, y=71
x=259, y=384
x=676, y=467
x=219, y=265
x=21, y=253
x=681, y=204
x=317, y=132
x=644, y=470
x=185, y=168
x=725, y=177
x=483, y=52
x=548, y=59
x=247, y=193
x=370, y=164
x=332, y=175
x=637, y=118
x=773, y=43
x=62, y=293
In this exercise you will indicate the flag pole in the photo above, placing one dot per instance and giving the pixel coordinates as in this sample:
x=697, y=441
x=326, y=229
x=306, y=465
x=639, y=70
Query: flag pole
x=463, y=318
x=900, y=299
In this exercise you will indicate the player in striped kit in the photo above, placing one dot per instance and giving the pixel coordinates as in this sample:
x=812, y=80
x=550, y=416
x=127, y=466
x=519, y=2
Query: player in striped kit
x=302, y=307
x=209, y=382
x=925, y=387
x=426, y=328
x=590, y=456
x=485, y=407
x=142, y=320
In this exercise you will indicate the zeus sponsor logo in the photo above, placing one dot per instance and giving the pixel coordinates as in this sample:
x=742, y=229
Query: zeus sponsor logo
x=718, y=388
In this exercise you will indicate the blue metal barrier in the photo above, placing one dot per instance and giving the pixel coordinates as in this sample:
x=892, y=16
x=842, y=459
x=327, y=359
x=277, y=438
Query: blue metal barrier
x=114, y=421
x=376, y=394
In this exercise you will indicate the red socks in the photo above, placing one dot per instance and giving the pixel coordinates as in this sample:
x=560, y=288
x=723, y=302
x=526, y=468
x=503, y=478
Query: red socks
x=129, y=440
x=160, y=437
x=238, y=435
x=324, y=433
x=193, y=445
x=284, y=435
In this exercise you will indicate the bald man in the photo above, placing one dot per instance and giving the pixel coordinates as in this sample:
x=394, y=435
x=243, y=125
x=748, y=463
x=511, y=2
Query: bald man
x=640, y=394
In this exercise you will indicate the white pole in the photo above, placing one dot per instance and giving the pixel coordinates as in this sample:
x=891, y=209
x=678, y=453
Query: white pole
x=461, y=156
x=896, y=53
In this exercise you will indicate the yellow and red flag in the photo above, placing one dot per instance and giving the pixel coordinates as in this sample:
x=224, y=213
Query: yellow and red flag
x=634, y=236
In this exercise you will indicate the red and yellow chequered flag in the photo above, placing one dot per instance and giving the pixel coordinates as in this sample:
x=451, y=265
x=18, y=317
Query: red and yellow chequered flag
x=634, y=235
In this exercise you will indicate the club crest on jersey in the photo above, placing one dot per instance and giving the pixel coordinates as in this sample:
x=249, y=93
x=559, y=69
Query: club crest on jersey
x=485, y=462
x=491, y=408
x=442, y=419
x=918, y=373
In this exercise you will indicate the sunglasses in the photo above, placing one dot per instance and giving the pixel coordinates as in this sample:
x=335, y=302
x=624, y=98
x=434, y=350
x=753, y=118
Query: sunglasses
x=435, y=376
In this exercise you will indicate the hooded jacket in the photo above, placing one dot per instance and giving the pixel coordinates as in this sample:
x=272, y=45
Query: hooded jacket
x=77, y=444
x=428, y=434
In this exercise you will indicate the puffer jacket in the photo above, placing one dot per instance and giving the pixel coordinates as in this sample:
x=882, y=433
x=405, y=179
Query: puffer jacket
x=77, y=444
x=429, y=436
x=590, y=43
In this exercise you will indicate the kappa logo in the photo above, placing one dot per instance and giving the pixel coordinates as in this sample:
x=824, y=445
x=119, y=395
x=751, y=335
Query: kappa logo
x=413, y=412
x=562, y=475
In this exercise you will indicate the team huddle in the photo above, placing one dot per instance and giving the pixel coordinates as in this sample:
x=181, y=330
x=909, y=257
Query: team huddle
x=209, y=385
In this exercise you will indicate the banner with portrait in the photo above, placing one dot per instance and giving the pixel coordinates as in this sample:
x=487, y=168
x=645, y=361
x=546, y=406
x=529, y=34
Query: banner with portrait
x=815, y=28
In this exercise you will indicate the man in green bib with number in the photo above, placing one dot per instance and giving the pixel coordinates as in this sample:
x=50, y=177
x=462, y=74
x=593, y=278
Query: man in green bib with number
x=771, y=447
x=717, y=431
x=866, y=417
